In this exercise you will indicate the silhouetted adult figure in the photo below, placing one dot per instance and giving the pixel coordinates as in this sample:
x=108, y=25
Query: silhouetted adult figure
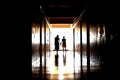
x=56, y=43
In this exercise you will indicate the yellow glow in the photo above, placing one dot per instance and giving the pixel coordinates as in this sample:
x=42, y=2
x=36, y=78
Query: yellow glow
x=61, y=25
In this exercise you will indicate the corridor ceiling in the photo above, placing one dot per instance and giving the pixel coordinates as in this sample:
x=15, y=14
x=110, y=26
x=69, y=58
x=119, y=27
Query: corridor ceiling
x=67, y=10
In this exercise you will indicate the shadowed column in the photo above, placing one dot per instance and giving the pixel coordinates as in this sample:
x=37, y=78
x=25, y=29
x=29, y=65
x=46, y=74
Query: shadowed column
x=40, y=52
x=88, y=50
x=81, y=49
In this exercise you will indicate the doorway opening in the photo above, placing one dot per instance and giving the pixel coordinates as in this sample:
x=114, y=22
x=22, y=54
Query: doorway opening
x=62, y=30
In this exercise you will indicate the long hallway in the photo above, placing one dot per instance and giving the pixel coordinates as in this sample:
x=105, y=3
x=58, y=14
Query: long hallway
x=91, y=37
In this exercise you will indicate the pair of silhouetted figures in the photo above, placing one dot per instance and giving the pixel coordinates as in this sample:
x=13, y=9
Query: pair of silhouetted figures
x=57, y=43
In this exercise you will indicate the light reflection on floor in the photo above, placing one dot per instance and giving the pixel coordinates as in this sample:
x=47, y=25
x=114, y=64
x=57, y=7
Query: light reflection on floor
x=67, y=64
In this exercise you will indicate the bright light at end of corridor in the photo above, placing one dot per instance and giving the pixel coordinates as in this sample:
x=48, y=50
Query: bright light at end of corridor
x=67, y=32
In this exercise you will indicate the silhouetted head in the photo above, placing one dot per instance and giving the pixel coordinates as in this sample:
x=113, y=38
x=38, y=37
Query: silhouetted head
x=57, y=35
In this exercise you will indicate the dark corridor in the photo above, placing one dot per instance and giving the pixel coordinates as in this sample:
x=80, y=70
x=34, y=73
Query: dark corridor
x=92, y=51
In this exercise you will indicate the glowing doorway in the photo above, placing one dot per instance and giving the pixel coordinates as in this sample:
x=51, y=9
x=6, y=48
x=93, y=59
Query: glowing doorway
x=67, y=32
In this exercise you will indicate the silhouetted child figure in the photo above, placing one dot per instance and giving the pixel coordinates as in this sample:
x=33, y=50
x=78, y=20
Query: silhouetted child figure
x=64, y=43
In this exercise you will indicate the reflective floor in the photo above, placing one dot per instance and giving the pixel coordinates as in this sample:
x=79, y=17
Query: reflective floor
x=64, y=66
